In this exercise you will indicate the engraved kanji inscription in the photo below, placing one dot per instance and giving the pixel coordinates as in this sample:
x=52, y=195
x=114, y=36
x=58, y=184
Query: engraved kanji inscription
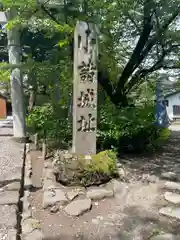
x=86, y=125
x=88, y=32
x=87, y=72
x=86, y=99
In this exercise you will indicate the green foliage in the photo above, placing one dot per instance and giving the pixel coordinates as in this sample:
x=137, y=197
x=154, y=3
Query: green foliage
x=51, y=124
x=103, y=162
x=129, y=129
x=100, y=169
x=73, y=169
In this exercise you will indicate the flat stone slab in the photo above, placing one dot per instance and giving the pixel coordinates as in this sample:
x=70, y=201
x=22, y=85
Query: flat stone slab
x=8, y=216
x=14, y=186
x=99, y=193
x=29, y=225
x=172, y=186
x=78, y=207
x=120, y=189
x=51, y=197
x=9, y=197
x=170, y=176
x=72, y=194
x=170, y=212
x=9, y=234
x=167, y=236
x=35, y=235
x=172, y=197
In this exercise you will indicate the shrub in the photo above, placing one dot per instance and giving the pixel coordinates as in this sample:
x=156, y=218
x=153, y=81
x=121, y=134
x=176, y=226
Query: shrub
x=50, y=123
x=129, y=130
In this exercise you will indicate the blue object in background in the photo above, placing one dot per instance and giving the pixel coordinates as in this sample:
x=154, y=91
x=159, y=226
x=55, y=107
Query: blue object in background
x=162, y=119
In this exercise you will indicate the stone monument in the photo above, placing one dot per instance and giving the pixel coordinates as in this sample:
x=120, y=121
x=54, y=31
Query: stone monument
x=85, y=89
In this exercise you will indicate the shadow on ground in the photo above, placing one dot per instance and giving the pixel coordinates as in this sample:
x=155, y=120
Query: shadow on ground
x=166, y=160
x=138, y=224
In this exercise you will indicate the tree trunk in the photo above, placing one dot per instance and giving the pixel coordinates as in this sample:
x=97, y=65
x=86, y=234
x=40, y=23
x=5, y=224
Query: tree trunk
x=16, y=80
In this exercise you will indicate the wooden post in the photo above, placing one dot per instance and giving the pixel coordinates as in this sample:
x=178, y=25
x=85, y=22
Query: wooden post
x=44, y=150
x=36, y=141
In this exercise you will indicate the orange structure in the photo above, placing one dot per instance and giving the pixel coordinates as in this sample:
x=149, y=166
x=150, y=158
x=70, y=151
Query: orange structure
x=3, y=107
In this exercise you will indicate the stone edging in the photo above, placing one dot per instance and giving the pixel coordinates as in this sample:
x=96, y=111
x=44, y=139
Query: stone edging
x=74, y=201
x=30, y=227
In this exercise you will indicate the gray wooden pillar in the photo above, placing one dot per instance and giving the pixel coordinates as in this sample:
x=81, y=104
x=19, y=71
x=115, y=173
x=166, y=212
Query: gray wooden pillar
x=85, y=89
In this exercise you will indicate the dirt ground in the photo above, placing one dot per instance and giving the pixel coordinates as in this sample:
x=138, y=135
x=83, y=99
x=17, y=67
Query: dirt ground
x=134, y=216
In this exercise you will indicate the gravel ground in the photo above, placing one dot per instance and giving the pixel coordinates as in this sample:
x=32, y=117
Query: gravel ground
x=10, y=171
x=134, y=217
x=10, y=155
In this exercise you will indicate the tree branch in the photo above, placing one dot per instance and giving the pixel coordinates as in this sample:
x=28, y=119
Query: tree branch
x=134, y=60
x=133, y=21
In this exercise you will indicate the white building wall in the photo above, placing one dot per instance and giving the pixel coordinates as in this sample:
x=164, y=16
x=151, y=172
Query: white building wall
x=173, y=100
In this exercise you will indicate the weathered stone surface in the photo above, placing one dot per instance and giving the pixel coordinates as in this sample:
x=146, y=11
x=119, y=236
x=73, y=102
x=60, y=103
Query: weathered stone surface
x=14, y=186
x=15, y=176
x=167, y=236
x=27, y=214
x=99, y=193
x=49, y=174
x=169, y=176
x=120, y=189
x=121, y=172
x=78, y=207
x=54, y=209
x=48, y=164
x=29, y=225
x=147, y=178
x=172, y=197
x=8, y=216
x=170, y=212
x=27, y=183
x=49, y=184
x=51, y=197
x=172, y=185
x=35, y=235
x=73, y=194
x=85, y=101
x=9, y=197
x=11, y=235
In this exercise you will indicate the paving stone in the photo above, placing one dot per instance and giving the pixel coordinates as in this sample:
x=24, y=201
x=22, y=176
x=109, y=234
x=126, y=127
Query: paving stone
x=167, y=236
x=14, y=186
x=9, y=197
x=27, y=214
x=169, y=176
x=172, y=185
x=51, y=197
x=73, y=194
x=172, y=197
x=120, y=189
x=99, y=193
x=35, y=235
x=11, y=235
x=29, y=225
x=148, y=178
x=49, y=184
x=170, y=212
x=78, y=207
x=8, y=234
x=8, y=216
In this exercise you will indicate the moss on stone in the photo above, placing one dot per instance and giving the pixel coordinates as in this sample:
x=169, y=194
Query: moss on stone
x=77, y=170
